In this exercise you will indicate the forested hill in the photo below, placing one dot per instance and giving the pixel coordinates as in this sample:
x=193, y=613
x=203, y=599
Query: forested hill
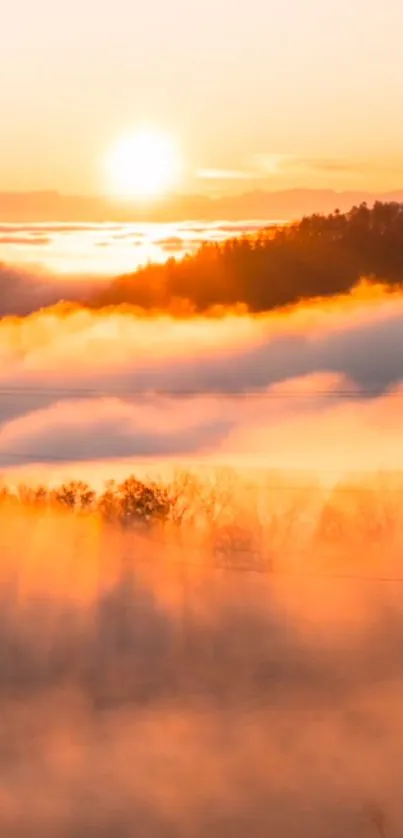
x=317, y=256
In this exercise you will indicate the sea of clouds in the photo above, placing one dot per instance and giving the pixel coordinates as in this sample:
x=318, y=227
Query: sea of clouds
x=317, y=387
x=92, y=253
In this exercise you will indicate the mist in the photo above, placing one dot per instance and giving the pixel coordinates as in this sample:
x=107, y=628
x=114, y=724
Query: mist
x=236, y=668
x=145, y=691
x=314, y=386
x=24, y=289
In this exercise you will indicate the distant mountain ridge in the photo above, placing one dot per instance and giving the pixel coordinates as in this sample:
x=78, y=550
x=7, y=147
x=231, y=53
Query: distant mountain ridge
x=283, y=205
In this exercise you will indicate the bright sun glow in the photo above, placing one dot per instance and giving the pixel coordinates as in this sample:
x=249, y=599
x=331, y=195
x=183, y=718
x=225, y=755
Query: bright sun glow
x=143, y=165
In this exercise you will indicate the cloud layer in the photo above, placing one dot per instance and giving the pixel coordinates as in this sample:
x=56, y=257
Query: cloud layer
x=93, y=251
x=318, y=386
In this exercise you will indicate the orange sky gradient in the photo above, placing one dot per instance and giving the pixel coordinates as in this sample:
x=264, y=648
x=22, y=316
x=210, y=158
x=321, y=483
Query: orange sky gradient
x=268, y=94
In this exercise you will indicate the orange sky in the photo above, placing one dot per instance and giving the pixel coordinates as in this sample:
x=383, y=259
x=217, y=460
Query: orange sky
x=267, y=93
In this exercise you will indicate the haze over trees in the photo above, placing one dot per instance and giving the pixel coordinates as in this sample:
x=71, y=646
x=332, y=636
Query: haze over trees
x=320, y=255
x=238, y=521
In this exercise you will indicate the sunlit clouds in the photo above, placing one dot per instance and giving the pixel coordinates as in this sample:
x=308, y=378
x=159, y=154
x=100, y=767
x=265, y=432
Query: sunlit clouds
x=107, y=249
x=318, y=388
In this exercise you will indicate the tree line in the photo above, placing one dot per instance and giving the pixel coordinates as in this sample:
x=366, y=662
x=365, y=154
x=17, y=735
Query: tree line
x=233, y=521
x=320, y=255
x=131, y=502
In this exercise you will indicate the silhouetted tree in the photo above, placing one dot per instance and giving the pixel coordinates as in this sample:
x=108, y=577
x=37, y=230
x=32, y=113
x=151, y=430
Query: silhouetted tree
x=76, y=495
x=133, y=502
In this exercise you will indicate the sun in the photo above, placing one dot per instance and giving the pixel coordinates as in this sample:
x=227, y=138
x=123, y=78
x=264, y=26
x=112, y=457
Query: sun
x=145, y=164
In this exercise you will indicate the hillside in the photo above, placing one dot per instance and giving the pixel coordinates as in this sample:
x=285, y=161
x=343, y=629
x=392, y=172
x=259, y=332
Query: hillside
x=320, y=255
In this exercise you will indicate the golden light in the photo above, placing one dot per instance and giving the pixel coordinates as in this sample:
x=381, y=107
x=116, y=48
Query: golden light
x=143, y=165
